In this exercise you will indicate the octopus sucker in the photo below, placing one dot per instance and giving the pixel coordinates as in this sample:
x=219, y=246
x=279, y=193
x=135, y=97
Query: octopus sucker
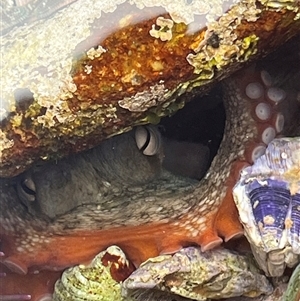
x=242, y=93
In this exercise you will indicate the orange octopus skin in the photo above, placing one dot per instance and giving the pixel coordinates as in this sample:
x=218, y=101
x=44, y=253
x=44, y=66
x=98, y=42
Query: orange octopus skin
x=40, y=285
x=30, y=244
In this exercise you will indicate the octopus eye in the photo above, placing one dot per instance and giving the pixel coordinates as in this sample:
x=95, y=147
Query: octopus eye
x=148, y=140
x=26, y=190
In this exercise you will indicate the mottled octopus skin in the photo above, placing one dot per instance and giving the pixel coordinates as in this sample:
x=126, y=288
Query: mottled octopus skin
x=31, y=244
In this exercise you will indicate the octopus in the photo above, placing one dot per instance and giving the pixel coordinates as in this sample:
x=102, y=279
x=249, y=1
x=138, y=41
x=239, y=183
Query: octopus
x=147, y=210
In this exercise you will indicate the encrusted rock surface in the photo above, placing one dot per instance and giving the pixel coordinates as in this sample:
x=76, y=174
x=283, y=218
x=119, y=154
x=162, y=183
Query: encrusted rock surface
x=200, y=275
x=96, y=68
x=100, y=280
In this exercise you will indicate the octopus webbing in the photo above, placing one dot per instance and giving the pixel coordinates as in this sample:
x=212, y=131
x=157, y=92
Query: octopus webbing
x=203, y=215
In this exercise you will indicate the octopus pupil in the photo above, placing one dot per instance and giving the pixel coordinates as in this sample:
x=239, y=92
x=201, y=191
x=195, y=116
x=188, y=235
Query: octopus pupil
x=147, y=141
x=27, y=189
x=190, y=140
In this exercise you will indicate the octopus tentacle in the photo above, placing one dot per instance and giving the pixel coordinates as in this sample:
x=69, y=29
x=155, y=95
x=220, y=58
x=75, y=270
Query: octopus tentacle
x=210, y=217
x=205, y=215
x=40, y=286
x=214, y=218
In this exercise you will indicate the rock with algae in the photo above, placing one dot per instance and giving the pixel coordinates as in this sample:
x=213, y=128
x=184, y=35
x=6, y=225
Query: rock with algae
x=91, y=69
x=293, y=290
x=199, y=275
x=100, y=280
x=187, y=275
x=283, y=291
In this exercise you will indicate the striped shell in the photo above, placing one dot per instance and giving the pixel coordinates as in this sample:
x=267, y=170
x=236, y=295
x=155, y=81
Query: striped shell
x=268, y=199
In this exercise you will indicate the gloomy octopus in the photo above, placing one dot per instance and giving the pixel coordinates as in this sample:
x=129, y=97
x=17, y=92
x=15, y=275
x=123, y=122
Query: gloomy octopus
x=42, y=235
x=59, y=214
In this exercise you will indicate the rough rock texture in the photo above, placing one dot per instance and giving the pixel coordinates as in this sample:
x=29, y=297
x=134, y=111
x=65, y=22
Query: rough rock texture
x=200, y=275
x=100, y=280
x=97, y=68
